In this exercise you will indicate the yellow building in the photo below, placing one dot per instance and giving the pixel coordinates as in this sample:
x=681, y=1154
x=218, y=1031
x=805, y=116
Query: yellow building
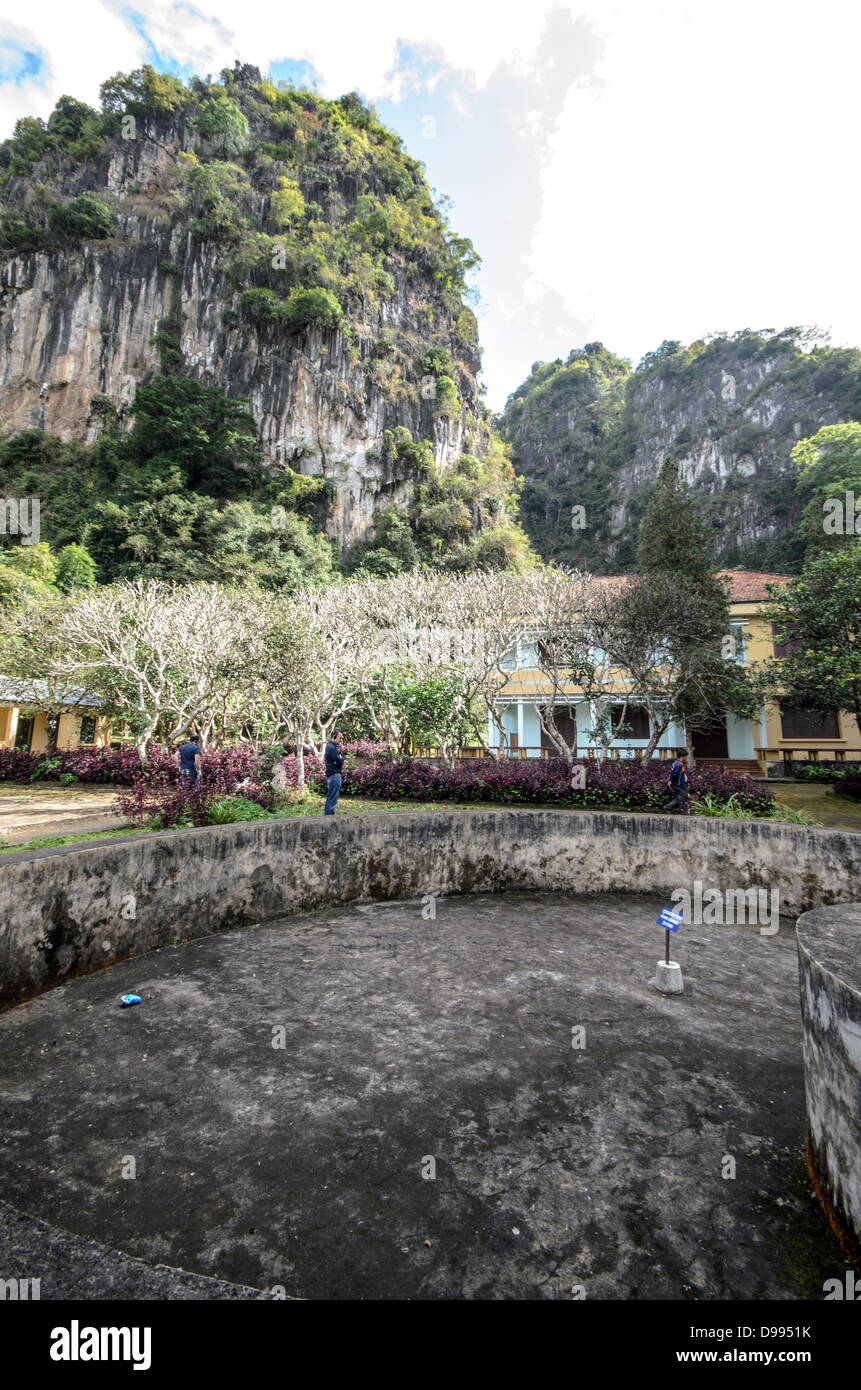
x=778, y=736
x=24, y=718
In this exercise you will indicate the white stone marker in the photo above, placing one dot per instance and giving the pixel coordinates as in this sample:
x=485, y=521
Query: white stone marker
x=668, y=977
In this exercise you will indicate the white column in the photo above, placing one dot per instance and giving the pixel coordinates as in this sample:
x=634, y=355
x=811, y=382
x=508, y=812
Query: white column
x=520, y=723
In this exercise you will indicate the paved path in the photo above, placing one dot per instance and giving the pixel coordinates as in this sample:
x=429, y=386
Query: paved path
x=28, y=809
x=283, y=1089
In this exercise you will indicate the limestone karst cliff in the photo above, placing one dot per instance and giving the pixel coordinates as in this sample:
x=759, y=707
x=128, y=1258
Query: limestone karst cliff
x=590, y=433
x=289, y=243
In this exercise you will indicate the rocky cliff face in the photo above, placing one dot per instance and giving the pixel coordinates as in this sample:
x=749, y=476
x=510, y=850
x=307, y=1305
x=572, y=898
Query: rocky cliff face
x=589, y=432
x=78, y=322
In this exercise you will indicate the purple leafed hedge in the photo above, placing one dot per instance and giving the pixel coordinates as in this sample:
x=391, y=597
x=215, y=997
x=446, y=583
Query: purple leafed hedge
x=509, y=782
x=542, y=782
x=122, y=766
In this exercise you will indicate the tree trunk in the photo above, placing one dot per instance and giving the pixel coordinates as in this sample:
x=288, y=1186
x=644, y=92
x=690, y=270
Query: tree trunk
x=52, y=729
x=300, y=766
x=689, y=744
x=655, y=738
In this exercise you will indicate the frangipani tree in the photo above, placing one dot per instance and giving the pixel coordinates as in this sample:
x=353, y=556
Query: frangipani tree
x=157, y=654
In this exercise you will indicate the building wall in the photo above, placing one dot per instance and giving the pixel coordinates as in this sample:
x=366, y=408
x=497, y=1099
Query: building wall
x=745, y=738
x=8, y=726
x=68, y=734
x=739, y=737
x=531, y=728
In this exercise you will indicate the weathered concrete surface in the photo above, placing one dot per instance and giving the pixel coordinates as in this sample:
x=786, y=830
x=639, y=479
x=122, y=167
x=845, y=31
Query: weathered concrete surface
x=829, y=952
x=449, y=1038
x=73, y=909
x=80, y=1268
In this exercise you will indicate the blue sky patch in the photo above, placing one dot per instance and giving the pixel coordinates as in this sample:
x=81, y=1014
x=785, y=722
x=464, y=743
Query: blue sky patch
x=19, y=64
x=295, y=72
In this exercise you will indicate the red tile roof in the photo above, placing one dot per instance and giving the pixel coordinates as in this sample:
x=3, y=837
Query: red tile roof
x=748, y=586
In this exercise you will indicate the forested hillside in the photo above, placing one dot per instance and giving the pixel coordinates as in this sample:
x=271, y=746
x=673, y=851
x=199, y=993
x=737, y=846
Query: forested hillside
x=589, y=433
x=236, y=340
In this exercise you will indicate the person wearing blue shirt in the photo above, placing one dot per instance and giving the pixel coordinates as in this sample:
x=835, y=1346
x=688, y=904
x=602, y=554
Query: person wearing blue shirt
x=678, y=782
x=334, y=763
x=188, y=756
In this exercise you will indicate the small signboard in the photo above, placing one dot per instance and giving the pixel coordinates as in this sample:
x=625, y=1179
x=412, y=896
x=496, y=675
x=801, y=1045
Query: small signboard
x=669, y=919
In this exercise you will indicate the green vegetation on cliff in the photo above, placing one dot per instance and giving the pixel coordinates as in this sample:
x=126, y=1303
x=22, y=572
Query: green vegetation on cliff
x=298, y=193
x=310, y=217
x=589, y=433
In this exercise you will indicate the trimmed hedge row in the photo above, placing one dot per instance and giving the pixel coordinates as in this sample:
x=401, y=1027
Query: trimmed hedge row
x=542, y=782
x=122, y=766
x=118, y=765
x=831, y=771
x=849, y=786
x=508, y=782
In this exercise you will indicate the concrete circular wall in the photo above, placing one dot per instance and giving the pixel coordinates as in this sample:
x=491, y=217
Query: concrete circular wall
x=73, y=909
x=829, y=954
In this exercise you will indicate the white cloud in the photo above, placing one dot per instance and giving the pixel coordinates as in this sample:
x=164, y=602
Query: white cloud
x=708, y=181
x=349, y=45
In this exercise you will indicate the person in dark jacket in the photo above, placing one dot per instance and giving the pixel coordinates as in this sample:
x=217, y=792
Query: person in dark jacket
x=678, y=782
x=334, y=763
x=188, y=757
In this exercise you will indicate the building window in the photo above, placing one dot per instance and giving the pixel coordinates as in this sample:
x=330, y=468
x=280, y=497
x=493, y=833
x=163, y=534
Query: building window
x=740, y=650
x=24, y=733
x=805, y=723
x=88, y=728
x=635, y=716
x=789, y=643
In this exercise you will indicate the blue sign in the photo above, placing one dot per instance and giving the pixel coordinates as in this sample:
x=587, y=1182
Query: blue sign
x=669, y=919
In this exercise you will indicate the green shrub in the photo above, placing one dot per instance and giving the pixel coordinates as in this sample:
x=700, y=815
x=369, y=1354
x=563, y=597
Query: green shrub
x=234, y=808
x=286, y=203
x=83, y=219
x=45, y=768
x=262, y=307
x=447, y=399
x=314, y=308
x=17, y=234
x=825, y=772
x=437, y=362
x=221, y=122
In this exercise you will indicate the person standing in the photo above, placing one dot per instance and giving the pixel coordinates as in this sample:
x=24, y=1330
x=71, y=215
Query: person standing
x=334, y=764
x=188, y=759
x=678, y=782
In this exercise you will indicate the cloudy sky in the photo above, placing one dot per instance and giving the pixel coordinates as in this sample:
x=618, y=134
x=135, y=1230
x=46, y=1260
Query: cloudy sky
x=629, y=170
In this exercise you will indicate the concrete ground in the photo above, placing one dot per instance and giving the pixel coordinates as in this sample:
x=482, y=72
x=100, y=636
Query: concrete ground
x=28, y=809
x=286, y=1093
